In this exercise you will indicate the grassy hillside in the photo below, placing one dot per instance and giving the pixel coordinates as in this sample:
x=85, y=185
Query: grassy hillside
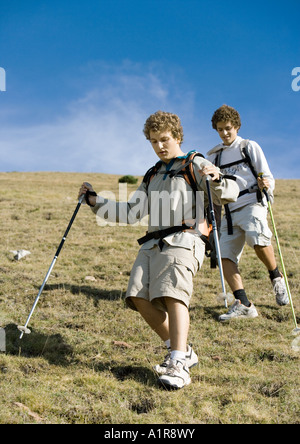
x=89, y=358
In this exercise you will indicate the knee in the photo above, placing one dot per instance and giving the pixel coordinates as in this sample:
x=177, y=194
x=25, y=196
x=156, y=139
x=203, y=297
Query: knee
x=229, y=266
x=136, y=302
x=228, y=263
x=141, y=305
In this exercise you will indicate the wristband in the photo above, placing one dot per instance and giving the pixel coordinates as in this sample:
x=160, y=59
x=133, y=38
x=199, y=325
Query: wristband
x=87, y=194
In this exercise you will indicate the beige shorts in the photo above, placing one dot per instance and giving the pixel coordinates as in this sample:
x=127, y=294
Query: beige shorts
x=250, y=225
x=159, y=274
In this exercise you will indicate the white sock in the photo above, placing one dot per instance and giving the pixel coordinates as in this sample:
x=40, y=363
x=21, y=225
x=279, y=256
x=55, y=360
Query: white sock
x=168, y=343
x=178, y=355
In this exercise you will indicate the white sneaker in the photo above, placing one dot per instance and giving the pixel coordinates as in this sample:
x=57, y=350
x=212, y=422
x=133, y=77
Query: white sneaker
x=238, y=310
x=191, y=359
x=177, y=375
x=161, y=369
x=279, y=287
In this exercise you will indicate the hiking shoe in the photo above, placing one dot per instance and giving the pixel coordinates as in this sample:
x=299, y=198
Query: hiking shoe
x=177, y=375
x=191, y=359
x=238, y=310
x=279, y=287
x=162, y=368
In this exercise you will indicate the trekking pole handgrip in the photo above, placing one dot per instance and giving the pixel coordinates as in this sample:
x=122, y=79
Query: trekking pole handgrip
x=264, y=190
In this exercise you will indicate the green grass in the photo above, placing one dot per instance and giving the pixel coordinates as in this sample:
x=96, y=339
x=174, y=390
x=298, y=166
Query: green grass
x=73, y=367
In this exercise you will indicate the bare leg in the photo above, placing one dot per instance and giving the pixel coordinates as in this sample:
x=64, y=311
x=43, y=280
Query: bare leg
x=232, y=275
x=179, y=322
x=173, y=325
x=266, y=255
x=158, y=320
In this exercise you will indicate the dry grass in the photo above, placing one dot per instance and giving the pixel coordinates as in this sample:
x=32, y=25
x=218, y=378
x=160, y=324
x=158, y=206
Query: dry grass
x=73, y=368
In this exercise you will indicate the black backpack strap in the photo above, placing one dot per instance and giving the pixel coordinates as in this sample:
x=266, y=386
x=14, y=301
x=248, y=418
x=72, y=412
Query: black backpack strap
x=246, y=154
x=160, y=234
x=183, y=168
x=151, y=172
x=217, y=161
x=247, y=158
x=229, y=220
x=244, y=159
x=236, y=162
x=186, y=169
x=173, y=173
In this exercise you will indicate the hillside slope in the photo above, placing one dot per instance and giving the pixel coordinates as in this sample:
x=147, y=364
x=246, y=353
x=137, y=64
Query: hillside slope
x=89, y=359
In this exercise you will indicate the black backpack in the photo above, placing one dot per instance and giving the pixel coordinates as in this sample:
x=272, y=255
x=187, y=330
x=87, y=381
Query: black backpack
x=186, y=171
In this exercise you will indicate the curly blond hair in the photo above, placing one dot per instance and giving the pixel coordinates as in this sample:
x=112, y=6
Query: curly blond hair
x=163, y=121
x=226, y=113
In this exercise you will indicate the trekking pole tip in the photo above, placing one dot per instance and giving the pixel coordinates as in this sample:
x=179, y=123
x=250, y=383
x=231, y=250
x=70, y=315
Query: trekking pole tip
x=225, y=297
x=23, y=330
x=296, y=344
x=296, y=331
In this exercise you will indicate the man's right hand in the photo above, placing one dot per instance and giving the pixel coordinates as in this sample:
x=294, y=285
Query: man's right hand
x=83, y=190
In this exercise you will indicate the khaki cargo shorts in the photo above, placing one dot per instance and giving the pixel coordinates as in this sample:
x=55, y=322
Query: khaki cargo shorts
x=250, y=225
x=158, y=274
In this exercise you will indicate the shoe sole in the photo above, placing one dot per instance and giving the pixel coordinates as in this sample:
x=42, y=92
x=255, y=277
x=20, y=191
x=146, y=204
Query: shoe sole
x=168, y=386
x=193, y=365
x=238, y=317
x=282, y=304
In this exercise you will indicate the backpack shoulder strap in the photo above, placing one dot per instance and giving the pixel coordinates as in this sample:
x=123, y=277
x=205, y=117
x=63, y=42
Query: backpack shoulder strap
x=246, y=155
x=151, y=173
x=187, y=169
x=217, y=160
x=190, y=171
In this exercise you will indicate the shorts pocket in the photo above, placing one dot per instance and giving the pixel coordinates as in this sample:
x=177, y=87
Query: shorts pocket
x=189, y=262
x=199, y=253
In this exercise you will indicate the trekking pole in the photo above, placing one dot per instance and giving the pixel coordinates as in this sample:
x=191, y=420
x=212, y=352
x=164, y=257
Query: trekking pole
x=224, y=296
x=23, y=328
x=296, y=329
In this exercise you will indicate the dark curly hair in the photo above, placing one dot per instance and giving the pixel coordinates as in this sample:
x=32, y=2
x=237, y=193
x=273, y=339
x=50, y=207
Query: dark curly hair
x=226, y=113
x=162, y=121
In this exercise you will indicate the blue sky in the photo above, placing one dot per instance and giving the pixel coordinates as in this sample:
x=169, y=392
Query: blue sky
x=83, y=76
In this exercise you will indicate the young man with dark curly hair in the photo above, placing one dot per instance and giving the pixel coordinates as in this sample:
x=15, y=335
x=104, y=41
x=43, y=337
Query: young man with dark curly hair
x=161, y=281
x=244, y=221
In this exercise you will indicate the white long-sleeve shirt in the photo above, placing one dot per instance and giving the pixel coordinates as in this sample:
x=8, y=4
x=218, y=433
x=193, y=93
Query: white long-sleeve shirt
x=166, y=213
x=244, y=177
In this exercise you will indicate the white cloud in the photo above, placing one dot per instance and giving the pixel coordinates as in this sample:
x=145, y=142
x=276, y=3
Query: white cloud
x=102, y=129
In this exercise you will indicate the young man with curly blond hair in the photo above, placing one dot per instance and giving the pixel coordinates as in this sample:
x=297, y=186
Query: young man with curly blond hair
x=161, y=281
x=245, y=221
